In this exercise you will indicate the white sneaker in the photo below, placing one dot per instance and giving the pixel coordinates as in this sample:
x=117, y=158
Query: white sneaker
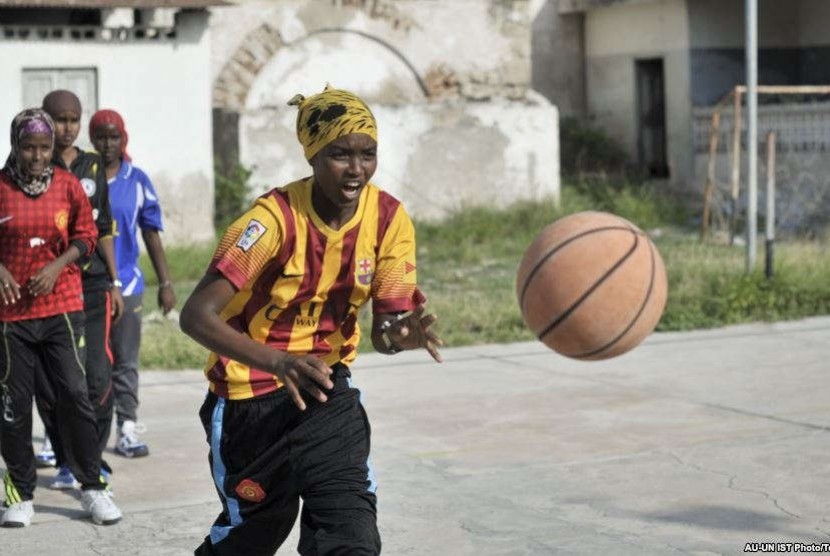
x=128, y=444
x=18, y=515
x=101, y=507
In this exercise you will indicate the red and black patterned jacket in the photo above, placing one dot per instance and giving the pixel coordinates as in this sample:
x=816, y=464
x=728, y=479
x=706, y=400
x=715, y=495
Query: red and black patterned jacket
x=37, y=230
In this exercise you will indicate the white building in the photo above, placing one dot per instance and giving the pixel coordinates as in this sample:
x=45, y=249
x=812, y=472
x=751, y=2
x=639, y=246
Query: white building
x=147, y=59
x=648, y=72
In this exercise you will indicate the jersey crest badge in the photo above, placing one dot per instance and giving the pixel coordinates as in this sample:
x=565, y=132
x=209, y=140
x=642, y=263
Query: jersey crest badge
x=62, y=219
x=250, y=490
x=89, y=186
x=251, y=235
x=363, y=271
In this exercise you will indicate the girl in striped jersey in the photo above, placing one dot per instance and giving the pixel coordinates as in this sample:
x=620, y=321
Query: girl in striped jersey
x=278, y=308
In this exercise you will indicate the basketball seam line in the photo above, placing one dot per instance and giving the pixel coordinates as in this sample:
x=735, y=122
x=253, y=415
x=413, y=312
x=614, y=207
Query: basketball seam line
x=558, y=320
x=633, y=321
x=553, y=251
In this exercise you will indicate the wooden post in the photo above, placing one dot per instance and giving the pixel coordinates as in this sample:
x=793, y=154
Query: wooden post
x=710, y=173
x=736, y=163
x=770, y=220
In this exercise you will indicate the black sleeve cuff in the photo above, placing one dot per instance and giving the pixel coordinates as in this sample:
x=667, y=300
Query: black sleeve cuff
x=80, y=245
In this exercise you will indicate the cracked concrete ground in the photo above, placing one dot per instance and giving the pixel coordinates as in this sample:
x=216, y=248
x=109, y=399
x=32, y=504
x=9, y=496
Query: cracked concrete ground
x=694, y=443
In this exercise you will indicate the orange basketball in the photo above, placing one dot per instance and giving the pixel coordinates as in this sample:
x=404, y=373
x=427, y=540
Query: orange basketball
x=591, y=286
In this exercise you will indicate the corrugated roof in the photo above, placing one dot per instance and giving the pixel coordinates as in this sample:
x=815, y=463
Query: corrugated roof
x=99, y=4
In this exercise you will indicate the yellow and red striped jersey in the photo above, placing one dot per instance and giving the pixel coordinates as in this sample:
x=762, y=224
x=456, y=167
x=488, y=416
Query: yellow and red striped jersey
x=300, y=283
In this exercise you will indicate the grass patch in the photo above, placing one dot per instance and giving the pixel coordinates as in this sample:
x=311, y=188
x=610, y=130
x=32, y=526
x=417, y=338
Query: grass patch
x=467, y=266
x=164, y=346
x=708, y=285
x=186, y=264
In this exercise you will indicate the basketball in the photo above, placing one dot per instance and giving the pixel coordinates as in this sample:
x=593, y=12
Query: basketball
x=591, y=286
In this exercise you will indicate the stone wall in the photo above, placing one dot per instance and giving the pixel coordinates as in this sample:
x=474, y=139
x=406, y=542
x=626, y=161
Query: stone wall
x=476, y=49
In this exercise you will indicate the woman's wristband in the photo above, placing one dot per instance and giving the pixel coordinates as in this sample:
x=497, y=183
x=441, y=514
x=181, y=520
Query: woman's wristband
x=166, y=284
x=386, y=339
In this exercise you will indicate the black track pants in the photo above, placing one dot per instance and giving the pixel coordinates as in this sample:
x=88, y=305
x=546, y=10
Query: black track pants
x=266, y=455
x=58, y=342
x=98, y=364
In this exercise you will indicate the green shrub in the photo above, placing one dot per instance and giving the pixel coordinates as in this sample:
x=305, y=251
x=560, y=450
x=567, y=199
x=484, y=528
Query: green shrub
x=232, y=194
x=186, y=263
x=703, y=295
x=641, y=203
x=584, y=149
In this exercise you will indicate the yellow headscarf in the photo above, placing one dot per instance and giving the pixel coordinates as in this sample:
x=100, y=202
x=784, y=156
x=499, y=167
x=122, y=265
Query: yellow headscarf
x=324, y=117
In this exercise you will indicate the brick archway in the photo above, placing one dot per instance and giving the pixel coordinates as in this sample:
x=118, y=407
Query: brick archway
x=230, y=90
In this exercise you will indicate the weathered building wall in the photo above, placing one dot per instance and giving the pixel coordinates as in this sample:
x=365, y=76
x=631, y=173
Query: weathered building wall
x=482, y=47
x=558, y=57
x=435, y=157
x=616, y=37
x=448, y=81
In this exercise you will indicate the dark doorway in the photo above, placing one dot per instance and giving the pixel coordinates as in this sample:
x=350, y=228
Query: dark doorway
x=651, y=118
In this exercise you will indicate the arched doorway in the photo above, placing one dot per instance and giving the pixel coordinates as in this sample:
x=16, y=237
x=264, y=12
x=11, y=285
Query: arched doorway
x=252, y=123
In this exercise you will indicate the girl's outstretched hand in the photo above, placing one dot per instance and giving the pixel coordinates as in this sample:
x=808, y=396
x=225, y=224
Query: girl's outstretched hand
x=413, y=332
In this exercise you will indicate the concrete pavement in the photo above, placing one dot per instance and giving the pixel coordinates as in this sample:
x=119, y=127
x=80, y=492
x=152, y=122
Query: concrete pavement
x=694, y=443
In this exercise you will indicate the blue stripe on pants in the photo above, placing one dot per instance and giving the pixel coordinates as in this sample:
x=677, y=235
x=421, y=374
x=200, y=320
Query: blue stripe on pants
x=219, y=532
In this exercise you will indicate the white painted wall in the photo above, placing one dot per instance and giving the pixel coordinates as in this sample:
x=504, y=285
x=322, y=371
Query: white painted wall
x=658, y=26
x=163, y=91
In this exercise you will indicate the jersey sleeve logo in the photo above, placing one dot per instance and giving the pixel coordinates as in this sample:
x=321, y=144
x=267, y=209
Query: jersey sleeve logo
x=89, y=186
x=364, y=272
x=253, y=231
x=409, y=273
